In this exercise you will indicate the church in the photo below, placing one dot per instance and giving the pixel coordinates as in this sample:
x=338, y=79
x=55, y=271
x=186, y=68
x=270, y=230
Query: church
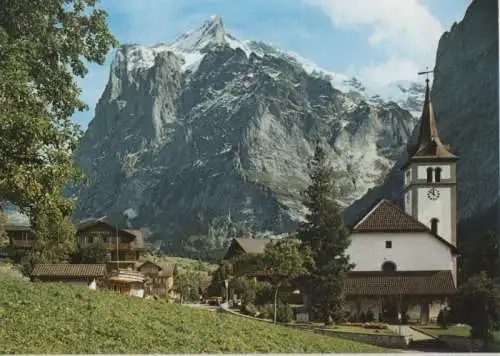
x=405, y=259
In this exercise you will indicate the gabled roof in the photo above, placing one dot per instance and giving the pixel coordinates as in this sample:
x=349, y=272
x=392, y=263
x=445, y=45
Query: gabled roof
x=431, y=283
x=69, y=270
x=252, y=245
x=138, y=242
x=166, y=268
x=388, y=217
x=87, y=223
x=429, y=144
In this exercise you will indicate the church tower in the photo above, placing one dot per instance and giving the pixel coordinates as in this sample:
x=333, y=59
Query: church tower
x=430, y=178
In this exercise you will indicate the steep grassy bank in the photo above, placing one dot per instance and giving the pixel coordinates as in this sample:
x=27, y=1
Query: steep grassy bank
x=58, y=318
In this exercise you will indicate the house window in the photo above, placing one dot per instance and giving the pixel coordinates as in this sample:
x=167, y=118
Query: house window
x=429, y=175
x=434, y=226
x=437, y=173
x=388, y=266
x=388, y=244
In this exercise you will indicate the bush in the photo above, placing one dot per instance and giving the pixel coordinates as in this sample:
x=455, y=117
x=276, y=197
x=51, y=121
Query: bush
x=284, y=313
x=249, y=309
x=266, y=311
x=264, y=293
x=374, y=325
x=369, y=316
x=442, y=319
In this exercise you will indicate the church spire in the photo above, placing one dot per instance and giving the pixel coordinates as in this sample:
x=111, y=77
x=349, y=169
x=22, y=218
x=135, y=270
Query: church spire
x=429, y=143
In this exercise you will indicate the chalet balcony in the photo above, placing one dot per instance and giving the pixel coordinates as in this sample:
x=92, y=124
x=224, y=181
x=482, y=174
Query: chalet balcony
x=120, y=246
x=22, y=243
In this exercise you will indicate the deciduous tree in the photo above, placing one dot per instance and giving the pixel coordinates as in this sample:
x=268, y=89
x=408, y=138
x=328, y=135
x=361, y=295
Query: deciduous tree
x=44, y=46
x=283, y=261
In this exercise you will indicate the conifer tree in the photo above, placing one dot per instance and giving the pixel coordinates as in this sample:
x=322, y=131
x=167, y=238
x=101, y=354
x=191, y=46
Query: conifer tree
x=325, y=235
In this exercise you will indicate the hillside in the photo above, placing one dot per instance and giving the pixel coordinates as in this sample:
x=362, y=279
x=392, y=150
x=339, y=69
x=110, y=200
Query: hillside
x=210, y=135
x=48, y=319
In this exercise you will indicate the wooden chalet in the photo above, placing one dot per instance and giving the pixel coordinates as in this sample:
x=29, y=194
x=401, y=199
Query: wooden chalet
x=159, y=278
x=240, y=246
x=20, y=236
x=91, y=275
x=124, y=245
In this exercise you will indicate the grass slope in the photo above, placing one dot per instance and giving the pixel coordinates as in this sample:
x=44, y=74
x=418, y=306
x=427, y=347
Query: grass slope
x=59, y=318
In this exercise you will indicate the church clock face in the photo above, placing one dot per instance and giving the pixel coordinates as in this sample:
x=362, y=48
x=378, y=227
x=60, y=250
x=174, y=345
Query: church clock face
x=433, y=194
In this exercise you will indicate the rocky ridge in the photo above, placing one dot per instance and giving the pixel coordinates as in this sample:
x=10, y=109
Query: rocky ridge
x=211, y=135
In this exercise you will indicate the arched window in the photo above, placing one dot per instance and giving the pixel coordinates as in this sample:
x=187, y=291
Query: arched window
x=434, y=225
x=437, y=174
x=429, y=175
x=388, y=266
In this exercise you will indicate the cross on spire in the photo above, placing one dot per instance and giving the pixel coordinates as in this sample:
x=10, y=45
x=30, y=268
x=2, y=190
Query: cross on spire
x=426, y=72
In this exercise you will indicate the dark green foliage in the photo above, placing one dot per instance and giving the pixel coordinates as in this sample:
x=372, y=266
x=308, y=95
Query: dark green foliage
x=479, y=301
x=264, y=293
x=44, y=46
x=482, y=254
x=92, y=253
x=369, y=316
x=442, y=318
x=285, y=313
x=325, y=235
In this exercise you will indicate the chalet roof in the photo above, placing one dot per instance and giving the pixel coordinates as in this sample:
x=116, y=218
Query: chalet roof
x=378, y=283
x=166, y=268
x=429, y=144
x=388, y=217
x=69, y=270
x=138, y=242
x=252, y=245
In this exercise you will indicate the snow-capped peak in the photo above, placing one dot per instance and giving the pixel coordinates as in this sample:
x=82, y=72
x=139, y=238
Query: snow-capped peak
x=211, y=32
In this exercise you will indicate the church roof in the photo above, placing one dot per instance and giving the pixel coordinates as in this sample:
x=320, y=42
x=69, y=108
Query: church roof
x=429, y=144
x=388, y=217
x=378, y=283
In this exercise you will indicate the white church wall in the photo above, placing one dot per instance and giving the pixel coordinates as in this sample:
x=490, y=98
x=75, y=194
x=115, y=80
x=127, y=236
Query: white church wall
x=445, y=171
x=410, y=252
x=440, y=209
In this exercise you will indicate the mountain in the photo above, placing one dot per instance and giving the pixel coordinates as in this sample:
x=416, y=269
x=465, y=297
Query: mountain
x=465, y=98
x=210, y=135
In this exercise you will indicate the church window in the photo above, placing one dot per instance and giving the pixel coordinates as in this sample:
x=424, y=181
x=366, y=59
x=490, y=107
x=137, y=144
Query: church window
x=437, y=174
x=388, y=244
x=429, y=175
x=388, y=266
x=434, y=226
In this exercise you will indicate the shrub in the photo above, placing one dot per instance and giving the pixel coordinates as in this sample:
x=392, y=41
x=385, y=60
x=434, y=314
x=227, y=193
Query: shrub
x=442, y=319
x=266, y=311
x=264, y=293
x=249, y=309
x=369, y=316
x=284, y=313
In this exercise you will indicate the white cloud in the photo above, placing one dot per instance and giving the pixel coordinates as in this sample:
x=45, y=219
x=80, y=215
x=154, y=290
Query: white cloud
x=404, y=30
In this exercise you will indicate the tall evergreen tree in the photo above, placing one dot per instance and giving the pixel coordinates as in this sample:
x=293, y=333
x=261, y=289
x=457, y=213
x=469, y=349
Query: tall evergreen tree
x=482, y=254
x=327, y=237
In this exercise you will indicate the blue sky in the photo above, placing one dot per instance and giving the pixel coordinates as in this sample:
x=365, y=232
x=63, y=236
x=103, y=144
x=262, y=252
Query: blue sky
x=379, y=41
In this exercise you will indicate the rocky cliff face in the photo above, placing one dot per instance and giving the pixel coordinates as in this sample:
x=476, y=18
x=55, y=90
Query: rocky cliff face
x=210, y=134
x=465, y=98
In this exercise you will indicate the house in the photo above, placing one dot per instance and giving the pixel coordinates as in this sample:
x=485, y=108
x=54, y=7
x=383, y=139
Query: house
x=406, y=258
x=127, y=281
x=91, y=275
x=241, y=246
x=124, y=245
x=159, y=277
x=21, y=240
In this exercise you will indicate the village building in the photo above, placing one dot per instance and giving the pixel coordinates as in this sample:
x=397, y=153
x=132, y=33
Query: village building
x=159, y=278
x=405, y=259
x=90, y=275
x=124, y=245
